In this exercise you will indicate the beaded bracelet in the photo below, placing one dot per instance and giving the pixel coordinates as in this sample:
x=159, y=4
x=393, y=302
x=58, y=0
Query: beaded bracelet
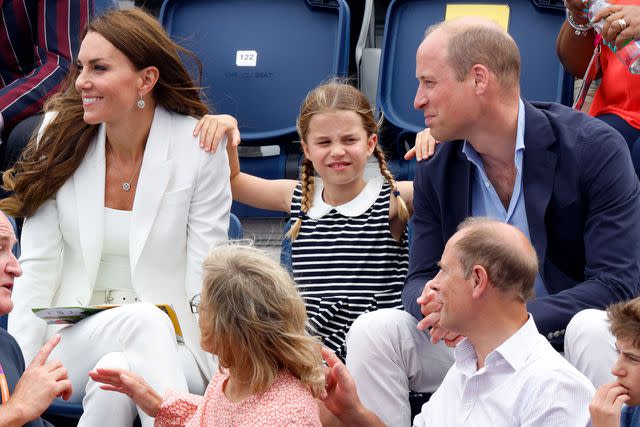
x=580, y=29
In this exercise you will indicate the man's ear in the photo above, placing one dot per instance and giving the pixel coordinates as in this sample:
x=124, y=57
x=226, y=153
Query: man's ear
x=480, y=280
x=480, y=75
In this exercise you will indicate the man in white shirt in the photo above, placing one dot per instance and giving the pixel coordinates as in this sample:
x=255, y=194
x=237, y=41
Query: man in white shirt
x=505, y=373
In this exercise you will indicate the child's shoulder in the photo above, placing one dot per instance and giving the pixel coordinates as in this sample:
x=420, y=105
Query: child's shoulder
x=290, y=402
x=286, y=382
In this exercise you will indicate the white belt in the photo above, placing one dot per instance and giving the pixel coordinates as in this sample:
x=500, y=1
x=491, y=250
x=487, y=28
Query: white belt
x=115, y=296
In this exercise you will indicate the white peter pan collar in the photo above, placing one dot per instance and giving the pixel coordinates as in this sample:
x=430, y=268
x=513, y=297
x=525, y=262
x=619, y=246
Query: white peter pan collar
x=353, y=208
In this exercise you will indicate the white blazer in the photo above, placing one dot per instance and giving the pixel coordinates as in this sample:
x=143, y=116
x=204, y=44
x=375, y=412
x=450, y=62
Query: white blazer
x=181, y=209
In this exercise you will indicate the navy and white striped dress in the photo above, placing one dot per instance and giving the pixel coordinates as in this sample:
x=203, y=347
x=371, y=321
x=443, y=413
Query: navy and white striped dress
x=345, y=260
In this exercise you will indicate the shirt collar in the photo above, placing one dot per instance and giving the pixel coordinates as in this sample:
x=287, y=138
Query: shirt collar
x=356, y=207
x=514, y=350
x=473, y=156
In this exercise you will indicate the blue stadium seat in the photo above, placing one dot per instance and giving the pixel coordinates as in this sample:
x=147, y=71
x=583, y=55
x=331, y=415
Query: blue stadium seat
x=532, y=24
x=235, y=228
x=285, y=249
x=260, y=58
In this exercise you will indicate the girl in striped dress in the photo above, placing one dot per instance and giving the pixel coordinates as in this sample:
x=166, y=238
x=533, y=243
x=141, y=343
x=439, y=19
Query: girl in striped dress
x=349, y=234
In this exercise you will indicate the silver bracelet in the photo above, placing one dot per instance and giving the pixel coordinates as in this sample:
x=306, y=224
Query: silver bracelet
x=580, y=29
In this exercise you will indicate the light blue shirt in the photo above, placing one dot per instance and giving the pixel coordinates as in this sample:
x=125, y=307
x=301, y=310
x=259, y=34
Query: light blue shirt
x=485, y=201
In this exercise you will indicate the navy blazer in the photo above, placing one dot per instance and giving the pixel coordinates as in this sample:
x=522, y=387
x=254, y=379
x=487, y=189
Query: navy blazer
x=583, y=208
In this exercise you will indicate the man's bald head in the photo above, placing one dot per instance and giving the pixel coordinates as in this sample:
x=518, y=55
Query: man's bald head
x=504, y=252
x=475, y=40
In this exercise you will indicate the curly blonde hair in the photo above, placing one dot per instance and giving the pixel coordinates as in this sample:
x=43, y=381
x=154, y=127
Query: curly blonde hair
x=257, y=319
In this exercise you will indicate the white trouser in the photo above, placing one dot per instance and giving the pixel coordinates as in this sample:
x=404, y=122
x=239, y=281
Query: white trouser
x=388, y=356
x=590, y=346
x=137, y=337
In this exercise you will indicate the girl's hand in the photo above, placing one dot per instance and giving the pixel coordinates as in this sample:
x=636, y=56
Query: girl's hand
x=613, y=30
x=211, y=129
x=130, y=384
x=606, y=405
x=424, y=147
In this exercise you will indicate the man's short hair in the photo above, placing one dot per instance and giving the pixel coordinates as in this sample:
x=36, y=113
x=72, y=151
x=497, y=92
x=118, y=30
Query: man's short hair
x=483, y=44
x=510, y=266
x=624, y=318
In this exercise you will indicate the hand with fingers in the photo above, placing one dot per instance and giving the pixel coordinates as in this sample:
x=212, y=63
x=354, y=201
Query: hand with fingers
x=430, y=309
x=341, y=396
x=621, y=24
x=211, y=129
x=40, y=383
x=130, y=384
x=606, y=406
x=424, y=147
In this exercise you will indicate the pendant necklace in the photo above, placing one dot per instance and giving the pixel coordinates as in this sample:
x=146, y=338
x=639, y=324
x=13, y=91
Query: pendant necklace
x=126, y=185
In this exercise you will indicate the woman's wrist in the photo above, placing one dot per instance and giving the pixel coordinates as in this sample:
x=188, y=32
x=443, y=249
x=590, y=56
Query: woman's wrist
x=580, y=25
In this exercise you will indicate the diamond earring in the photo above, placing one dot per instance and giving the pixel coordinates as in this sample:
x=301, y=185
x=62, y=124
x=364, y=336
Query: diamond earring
x=141, y=103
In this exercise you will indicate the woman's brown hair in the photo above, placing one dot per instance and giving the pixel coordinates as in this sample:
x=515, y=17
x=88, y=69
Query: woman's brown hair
x=337, y=95
x=52, y=157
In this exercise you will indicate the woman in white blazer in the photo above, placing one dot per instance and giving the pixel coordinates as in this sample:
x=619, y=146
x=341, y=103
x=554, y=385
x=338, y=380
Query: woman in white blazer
x=121, y=206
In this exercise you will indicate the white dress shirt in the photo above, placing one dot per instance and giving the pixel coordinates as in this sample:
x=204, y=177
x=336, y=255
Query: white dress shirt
x=524, y=382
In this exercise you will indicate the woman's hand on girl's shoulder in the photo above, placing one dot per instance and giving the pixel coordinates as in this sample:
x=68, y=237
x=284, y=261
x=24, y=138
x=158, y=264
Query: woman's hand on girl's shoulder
x=211, y=129
x=424, y=147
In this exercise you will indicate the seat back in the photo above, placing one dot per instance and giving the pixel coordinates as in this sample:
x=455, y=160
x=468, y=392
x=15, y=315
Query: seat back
x=533, y=26
x=285, y=249
x=235, y=228
x=260, y=58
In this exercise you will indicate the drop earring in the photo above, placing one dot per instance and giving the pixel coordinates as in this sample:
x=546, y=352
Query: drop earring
x=141, y=103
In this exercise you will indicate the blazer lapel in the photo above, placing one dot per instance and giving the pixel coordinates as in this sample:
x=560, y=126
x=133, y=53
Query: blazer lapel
x=539, y=171
x=88, y=181
x=152, y=183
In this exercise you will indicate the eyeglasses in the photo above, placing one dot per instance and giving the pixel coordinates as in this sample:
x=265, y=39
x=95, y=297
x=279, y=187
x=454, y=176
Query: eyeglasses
x=195, y=303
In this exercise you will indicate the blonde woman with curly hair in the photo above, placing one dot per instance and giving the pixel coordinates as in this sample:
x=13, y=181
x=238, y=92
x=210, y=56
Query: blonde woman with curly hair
x=253, y=320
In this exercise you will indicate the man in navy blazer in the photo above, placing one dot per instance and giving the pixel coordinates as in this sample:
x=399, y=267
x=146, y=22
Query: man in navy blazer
x=563, y=178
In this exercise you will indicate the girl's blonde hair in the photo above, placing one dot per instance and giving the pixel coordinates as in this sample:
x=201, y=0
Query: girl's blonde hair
x=337, y=95
x=257, y=319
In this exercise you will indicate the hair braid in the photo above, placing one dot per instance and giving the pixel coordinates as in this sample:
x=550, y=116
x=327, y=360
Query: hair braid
x=307, y=179
x=403, y=211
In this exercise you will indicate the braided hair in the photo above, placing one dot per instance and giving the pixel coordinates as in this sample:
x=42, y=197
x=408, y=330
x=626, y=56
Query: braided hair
x=337, y=95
